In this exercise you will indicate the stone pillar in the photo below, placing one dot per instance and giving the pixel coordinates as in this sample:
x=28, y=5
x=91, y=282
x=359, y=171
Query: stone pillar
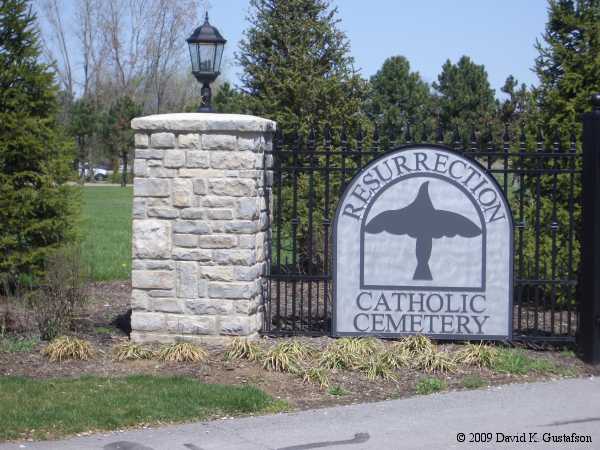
x=200, y=226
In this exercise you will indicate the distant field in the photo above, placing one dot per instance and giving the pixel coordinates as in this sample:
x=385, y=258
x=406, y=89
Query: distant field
x=106, y=231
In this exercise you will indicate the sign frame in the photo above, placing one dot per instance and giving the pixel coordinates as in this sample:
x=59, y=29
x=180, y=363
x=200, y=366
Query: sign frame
x=459, y=337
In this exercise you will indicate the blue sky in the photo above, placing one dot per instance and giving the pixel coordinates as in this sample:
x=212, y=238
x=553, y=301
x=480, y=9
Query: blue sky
x=497, y=33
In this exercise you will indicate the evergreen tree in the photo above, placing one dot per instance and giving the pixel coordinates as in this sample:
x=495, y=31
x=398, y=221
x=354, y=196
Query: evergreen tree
x=83, y=126
x=229, y=101
x=568, y=65
x=36, y=207
x=297, y=67
x=466, y=101
x=117, y=134
x=399, y=97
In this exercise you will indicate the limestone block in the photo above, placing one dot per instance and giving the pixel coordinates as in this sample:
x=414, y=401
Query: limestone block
x=217, y=273
x=139, y=208
x=219, y=202
x=182, y=193
x=232, y=160
x=151, y=239
x=149, y=153
x=141, y=140
x=167, y=305
x=249, y=142
x=188, y=254
x=219, y=214
x=191, y=227
x=174, y=159
x=186, y=324
x=147, y=321
x=231, y=290
x=162, y=140
x=247, y=208
x=216, y=241
x=235, y=257
x=219, y=142
x=153, y=264
x=232, y=187
x=139, y=167
x=198, y=159
x=185, y=240
x=163, y=213
x=151, y=187
x=152, y=279
x=209, y=306
x=194, y=122
x=160, y=172
x=199, y=187
x=193, y=213
x=238, y=325
x=241, y=226
x=189, y=140
x=187, y=280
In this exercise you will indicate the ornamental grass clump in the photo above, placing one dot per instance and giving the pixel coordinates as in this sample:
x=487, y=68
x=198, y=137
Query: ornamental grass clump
x=377, y=366
x=288, y=356
x=349, y=353
x=316, y=375
x=64, y=348
x=241, y=348
x=398, y=356
x=417, y=345
x=434, y=361
x=130, y=351
x=182, y=352
x=479, y=355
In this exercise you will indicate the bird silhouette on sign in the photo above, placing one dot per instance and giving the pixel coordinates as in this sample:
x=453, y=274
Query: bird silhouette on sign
x=421, y=221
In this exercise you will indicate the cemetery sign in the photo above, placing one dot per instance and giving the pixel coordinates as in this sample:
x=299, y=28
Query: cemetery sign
x=423, y=245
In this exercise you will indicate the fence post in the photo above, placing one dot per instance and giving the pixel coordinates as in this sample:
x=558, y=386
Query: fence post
x=589, y=322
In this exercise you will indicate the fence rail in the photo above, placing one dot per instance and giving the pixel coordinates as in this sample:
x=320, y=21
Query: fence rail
x=541, y=179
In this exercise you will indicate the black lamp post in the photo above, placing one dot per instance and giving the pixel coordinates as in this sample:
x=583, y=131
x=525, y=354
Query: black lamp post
x=206, y=50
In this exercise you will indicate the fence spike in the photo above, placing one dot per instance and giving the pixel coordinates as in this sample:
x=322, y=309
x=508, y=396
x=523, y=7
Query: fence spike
x=439, y=133
x=407, y=134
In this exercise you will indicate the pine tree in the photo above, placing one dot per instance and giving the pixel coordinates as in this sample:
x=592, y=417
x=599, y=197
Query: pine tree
x=466, y=101
x=298, y=72
x=297, y=67
x=399, y=97
x=568, y=68
x=36, y=207
x=568, y=64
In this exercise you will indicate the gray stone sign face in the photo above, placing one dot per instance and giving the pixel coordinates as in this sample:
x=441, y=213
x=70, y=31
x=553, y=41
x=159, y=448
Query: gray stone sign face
x=423, y=244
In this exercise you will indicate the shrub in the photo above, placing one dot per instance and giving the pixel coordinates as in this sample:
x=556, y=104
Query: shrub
x=430, y=385
x=63, y=348
x=63, y=290
x=128, y=351
x=36, y=205
x=182, y=352
x=397, y=356
x=241, y=348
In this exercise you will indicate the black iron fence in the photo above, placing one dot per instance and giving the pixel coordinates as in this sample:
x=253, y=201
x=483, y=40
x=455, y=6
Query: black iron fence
x=540, y=177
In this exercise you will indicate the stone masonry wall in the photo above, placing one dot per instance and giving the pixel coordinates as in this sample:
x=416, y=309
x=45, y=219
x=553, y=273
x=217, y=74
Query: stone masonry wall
x=200, y=226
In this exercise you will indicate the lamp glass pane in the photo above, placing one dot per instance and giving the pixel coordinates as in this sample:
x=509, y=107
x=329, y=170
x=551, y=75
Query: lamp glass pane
x=207, y=57
x=219, y=56
x=194, y=56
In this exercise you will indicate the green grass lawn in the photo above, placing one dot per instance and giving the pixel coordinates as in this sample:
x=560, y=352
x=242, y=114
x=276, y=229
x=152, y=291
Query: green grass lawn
x=45, y=409
x=106, y=231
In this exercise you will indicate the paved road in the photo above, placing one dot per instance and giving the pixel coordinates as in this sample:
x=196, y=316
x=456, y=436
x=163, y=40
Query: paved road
x=432, y=422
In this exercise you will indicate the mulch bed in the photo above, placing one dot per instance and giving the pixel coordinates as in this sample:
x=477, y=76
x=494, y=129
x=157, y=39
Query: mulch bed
x=111, y=300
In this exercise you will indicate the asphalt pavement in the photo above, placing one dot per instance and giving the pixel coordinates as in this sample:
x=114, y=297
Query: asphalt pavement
x=520, y=416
